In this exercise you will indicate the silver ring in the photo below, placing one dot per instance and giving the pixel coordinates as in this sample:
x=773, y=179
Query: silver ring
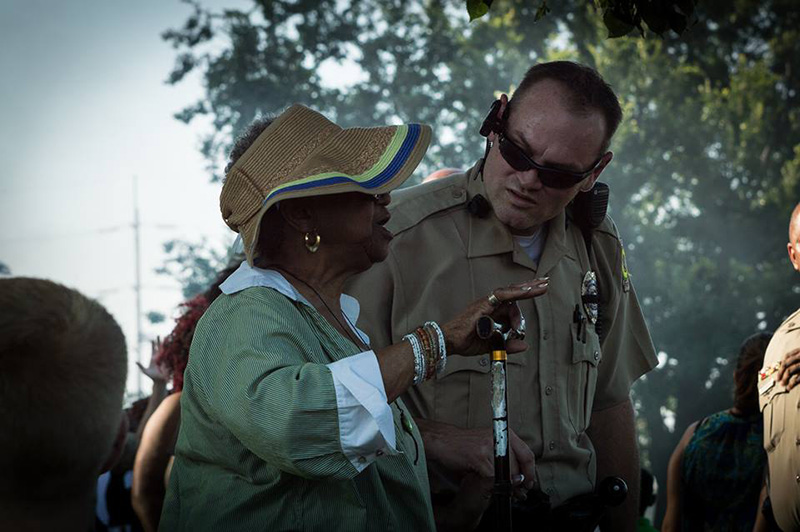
x=493, y=301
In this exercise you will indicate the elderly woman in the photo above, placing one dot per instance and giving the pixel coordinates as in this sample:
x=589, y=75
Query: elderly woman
x=290, y=420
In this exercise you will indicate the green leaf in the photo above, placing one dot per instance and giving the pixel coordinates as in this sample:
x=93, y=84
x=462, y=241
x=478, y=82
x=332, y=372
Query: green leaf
x=677, y=22
x=686, y=7
x=477, y=8
x=616, y=27
x=655, y=15
x=541, y=11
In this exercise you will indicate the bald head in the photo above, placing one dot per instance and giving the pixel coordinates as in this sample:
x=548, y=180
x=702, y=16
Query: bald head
x=794, y=238
x=794, y=224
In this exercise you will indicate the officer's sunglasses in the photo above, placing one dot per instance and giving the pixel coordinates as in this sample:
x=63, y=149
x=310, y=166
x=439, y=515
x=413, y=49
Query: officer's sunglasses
x=550, y=177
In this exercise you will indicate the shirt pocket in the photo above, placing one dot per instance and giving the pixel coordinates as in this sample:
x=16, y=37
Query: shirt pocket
x=463, y=391
x=582, y=379
x=774, y=421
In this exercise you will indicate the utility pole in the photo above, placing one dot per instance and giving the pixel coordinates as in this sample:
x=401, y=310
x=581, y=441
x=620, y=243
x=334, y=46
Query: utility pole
x=138, y=286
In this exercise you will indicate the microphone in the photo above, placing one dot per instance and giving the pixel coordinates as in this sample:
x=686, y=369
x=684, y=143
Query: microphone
x=479, y=206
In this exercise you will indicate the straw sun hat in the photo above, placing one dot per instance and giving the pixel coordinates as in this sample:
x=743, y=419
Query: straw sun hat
x=302, y=153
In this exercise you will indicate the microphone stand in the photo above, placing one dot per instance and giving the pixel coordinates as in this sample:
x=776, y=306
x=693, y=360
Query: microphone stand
x=488, y=329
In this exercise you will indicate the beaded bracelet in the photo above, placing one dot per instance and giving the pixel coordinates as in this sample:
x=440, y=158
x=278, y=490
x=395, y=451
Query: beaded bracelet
x=419, y=360
x=428, y=350
x=441, y=360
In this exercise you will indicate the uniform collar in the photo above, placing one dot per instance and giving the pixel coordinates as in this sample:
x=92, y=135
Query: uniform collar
x=489, y=236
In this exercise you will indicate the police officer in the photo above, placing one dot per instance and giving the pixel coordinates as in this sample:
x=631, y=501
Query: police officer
x=779, y=399
x=505, y=220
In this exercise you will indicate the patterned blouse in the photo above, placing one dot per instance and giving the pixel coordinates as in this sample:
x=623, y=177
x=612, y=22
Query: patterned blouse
x=723, y=470
x=259, y=445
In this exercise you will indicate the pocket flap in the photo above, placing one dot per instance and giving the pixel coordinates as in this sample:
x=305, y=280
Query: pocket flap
x=588, y=351
x=480, y=363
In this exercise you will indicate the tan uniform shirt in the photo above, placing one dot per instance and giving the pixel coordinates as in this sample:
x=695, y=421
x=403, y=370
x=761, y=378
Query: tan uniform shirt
x=781, y=411
x=443, y=258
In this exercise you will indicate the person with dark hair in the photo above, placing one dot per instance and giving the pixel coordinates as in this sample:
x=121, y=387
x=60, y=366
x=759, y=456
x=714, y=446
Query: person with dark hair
x=721, y=454
x=63, y=365
x=157, y=446
x=289, y=419
x=509, y=217
x=779, y=400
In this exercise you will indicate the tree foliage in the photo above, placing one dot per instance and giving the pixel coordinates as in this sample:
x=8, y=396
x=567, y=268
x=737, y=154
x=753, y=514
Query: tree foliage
x=621, y=17
x=707, y=160
x=195, y=265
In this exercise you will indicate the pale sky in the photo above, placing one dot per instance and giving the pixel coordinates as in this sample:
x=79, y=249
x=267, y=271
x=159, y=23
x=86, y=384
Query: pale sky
x=84, y=110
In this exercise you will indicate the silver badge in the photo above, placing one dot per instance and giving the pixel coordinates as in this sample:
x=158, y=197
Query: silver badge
x=589, y=296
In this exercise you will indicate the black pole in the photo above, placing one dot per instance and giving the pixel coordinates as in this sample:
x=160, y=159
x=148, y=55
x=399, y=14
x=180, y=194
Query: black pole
x=488, y=329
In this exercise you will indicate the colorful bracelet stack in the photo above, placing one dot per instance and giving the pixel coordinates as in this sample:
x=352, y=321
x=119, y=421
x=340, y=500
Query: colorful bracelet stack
x=430, y=352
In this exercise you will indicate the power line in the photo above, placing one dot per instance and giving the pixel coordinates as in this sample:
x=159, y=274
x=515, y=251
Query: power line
x=74, y=234
x=76, y=184
x=93, y=232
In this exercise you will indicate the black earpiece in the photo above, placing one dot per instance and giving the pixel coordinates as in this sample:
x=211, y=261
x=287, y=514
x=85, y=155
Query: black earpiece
x=491, y=123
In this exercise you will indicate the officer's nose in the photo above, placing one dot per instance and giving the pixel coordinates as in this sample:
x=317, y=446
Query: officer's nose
x=529, y=180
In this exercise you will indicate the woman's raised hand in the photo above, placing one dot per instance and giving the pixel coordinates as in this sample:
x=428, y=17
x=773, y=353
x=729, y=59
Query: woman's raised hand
x=460, y=333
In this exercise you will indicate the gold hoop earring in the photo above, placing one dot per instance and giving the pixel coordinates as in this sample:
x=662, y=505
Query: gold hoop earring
x=311, y=242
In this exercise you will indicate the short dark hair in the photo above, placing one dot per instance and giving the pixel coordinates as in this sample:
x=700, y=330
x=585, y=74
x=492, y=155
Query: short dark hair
x=745, y=376
x=247, y=138
x=63, y=365
x=586, y=91
x=270, y=233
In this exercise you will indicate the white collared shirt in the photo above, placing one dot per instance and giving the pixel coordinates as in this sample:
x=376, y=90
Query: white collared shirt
x=366, y=425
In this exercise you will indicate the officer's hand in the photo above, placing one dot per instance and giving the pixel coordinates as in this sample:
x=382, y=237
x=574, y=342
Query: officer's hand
x=465, y=510
x=789, y=374
x=460, y=334
x=472, y=451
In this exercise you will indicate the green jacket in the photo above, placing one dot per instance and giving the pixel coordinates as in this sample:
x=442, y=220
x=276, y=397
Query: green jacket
x=259, y=445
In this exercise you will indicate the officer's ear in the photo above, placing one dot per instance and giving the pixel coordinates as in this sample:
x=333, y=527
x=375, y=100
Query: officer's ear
x=588, y=183
x=794, y=256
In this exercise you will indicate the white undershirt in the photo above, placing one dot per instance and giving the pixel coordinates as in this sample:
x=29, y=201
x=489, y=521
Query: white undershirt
x=366, y=425
x=533, y=245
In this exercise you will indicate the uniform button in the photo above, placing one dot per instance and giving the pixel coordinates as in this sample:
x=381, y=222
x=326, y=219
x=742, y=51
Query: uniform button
x=797, y=441
x=550, y=491
x=379, y=452
x=596, y=355
x=545, y=335
x=548, y=390
x=551, y=445
x=457, y=192
x=797, y=478
x=483, y=361
x=361, y=459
